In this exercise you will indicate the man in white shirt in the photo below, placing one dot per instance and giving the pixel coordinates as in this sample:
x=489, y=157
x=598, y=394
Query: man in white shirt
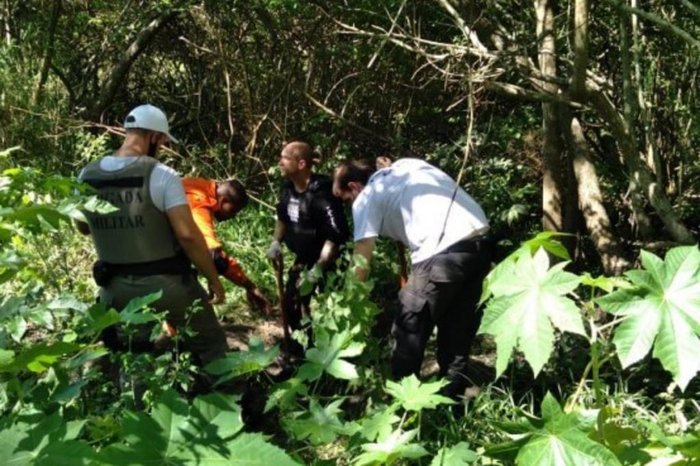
x=445, y=231
x=150, y=242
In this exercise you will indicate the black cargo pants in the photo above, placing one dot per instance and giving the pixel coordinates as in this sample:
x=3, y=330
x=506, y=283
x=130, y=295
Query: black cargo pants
x=442, y=291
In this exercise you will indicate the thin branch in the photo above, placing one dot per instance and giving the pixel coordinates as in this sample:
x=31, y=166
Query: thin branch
x=391, y=30
x=693, y=8
x=512, y=90
x=662, y=23
x=334, y=114
x=121, y=69
x=469, y=34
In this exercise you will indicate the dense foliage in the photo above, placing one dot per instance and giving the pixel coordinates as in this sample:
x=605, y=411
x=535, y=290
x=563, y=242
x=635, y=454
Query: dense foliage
x=590, y=341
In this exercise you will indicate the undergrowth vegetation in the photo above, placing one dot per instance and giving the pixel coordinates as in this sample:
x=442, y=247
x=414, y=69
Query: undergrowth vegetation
x=574, y=368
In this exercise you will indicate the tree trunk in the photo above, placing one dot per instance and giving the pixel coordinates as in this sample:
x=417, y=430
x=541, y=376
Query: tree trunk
x=6, y=25
x=630, y=110
x=578, y=81
x=591, y=204
x=120, y=71
x=48, y=53
x=556, y=199
x=642, y=183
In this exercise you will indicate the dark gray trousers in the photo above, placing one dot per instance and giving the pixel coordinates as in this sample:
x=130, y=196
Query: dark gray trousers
x=180, y=293
x=442, y=291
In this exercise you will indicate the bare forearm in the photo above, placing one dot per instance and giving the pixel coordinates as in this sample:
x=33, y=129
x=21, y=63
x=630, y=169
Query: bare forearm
x=328, y=254
x=278, y=234
x=363, y=256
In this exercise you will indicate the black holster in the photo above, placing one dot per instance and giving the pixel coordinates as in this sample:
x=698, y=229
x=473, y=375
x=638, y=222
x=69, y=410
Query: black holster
x=101, y=273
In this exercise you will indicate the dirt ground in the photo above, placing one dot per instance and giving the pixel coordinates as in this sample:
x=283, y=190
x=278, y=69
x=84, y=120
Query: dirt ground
x=481, y=369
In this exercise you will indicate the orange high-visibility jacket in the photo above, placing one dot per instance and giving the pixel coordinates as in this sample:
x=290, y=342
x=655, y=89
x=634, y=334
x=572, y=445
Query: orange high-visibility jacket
x=201, y=196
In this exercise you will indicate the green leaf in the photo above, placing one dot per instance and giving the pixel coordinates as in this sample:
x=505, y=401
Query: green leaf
x=396, y=446
x=662, y=312
x=457, y=455
x=17, y=327
x=563, y=439
x=100, y=317
x=38, y=216
x=285, y=394
x=137, y=313
x=252, y=450
x=237, y=363
x=326, y=357
x=319, y=424
x=380, y=424
x=529, y=297
x=416, y=396
x=69, y=453
x=178, y=434
x=6, y=358
x=545, y=240
x=217, y=415
x=99, y=206
x=607, y=284
x=40, y=357
x=43, y=440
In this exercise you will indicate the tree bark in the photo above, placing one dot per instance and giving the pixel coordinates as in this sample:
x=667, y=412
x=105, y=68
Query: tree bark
x=578, y=81
x=591, y=205
x=6, y=25
x=556, y=199
x=48, y=53
x=119, y=72
x=642, y=183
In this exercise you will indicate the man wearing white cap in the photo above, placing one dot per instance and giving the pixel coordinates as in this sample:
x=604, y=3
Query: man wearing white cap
x=150, y=242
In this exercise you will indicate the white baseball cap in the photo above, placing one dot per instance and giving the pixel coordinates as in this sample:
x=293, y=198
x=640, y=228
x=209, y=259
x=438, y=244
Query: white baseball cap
x=151, y=118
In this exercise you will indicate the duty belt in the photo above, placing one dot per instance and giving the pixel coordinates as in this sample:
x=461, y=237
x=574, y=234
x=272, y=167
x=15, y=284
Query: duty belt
x=103, y=272
x=471, y=245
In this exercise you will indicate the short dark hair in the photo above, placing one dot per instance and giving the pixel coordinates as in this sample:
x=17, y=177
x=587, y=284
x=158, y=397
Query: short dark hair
x=352, y=171
x=236, y=192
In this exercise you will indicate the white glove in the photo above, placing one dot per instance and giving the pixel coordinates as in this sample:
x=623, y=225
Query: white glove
x=274, y=251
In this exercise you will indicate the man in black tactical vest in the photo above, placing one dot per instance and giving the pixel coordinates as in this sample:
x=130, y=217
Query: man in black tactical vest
x=310, y=221
x=151, y=241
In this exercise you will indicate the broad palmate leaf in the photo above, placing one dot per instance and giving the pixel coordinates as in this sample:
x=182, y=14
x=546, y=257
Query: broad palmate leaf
x=380, y=424
x=457, y=455
x=528, y=297
x=237, y=363
x=386, y=451
x=559, y=439
x=40, y=439
x=327, y=357
x=415, y=396
x=208, y=432
x=663, y=311
x=319, y=424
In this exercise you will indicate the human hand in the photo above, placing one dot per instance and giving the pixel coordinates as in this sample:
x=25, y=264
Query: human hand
x=307, y=280
x=216, y=292
x=274, y=251
x=258, y=301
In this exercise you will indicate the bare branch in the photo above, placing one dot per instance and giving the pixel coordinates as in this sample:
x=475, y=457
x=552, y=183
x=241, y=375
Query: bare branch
x=121, y=69
x=662, y=23
x=469, y=33
x=335, y=114
x=693, y=8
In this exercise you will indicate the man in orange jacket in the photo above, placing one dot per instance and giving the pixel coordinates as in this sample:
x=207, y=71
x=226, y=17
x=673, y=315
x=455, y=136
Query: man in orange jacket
x=210, y=200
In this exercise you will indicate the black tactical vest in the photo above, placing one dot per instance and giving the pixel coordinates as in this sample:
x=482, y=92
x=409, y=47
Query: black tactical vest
x=304, y=236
